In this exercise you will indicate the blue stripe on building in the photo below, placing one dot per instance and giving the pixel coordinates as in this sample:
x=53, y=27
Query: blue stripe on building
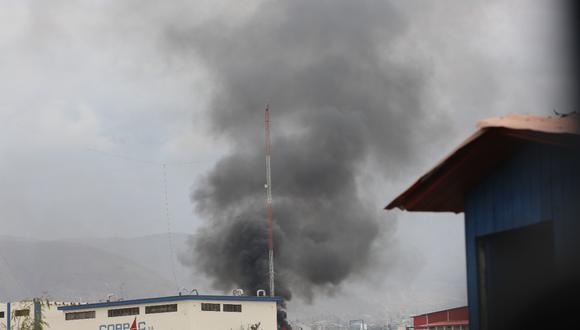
x=37, y=313
x=8, y=316
x=167, y=299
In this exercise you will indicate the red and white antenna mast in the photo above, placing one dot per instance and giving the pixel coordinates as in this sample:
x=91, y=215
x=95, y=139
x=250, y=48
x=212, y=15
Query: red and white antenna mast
x=269, y=200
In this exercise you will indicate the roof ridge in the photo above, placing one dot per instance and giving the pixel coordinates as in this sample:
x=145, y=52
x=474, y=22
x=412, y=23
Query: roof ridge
x=549, y=124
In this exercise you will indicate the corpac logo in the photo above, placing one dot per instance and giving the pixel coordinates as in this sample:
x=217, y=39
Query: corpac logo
x=125, y=326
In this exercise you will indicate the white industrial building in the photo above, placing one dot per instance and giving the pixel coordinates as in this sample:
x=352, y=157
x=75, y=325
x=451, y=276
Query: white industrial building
x=186, y=312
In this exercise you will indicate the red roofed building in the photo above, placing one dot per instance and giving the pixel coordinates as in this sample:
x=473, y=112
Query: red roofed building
x=449, y=319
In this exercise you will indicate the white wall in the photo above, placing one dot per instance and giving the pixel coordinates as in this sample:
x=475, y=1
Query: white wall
x=3, y=320
x=189, y=316
x=14, y=307
x=263, y=312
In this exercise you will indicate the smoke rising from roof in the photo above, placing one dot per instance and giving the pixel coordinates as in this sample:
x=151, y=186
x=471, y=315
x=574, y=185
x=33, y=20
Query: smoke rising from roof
x=338, y=102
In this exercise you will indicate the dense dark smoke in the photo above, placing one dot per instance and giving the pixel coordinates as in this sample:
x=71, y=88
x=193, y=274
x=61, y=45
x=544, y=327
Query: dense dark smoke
x=340, y=99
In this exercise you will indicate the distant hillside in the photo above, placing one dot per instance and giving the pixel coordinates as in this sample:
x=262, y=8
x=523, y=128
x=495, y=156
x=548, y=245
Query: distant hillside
x=151, y=252
x=89, y=269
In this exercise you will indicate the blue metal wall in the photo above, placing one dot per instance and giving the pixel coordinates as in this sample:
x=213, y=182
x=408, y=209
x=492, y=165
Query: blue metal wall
x=537, y=183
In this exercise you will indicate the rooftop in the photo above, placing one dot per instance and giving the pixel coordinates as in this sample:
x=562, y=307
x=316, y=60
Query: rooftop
x=165, y=299
x=442, y=188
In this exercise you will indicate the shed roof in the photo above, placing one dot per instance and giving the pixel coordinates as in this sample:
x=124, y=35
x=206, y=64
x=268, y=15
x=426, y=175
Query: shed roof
x=442, y=188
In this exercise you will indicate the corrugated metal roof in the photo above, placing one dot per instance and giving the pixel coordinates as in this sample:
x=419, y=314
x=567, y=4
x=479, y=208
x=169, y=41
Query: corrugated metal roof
x=442, y=188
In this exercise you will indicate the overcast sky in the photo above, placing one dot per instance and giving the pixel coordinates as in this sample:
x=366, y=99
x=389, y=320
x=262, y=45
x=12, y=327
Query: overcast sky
x=93, y=102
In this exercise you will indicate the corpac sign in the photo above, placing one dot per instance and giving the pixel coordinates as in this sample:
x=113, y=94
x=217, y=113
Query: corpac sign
x=125, y=326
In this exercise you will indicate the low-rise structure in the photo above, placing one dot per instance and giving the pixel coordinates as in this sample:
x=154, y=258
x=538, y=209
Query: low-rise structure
x=449, y=319
x=186, y=312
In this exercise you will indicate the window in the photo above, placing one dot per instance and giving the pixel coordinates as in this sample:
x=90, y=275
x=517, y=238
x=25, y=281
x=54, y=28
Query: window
x=210, y=307
x=22, y=312
x=79, y=315
x=123, y=311
x=160, y=309
x=232, y=308
x=1, y=315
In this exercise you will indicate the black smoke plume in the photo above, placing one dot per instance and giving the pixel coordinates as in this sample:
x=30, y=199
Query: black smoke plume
x=340, y=100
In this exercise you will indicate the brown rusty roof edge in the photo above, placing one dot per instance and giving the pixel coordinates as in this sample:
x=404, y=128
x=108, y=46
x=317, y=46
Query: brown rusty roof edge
x=523, y=127
x=401, y=200
x=555, y=125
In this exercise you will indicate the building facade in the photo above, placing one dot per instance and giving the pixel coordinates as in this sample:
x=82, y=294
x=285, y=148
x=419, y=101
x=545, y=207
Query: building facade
x=190, y=312
x=449, y=319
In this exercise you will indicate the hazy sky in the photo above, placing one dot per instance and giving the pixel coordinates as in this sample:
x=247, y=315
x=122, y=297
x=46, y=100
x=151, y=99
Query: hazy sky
x=94, y=100
x=79, y=76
